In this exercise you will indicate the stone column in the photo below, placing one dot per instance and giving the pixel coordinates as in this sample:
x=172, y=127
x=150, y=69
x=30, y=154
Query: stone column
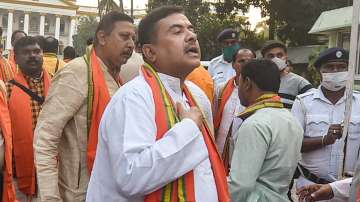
x=71, y=30
x=9, y=29
x=42, y=24
x=26, y=22
x=57, y=27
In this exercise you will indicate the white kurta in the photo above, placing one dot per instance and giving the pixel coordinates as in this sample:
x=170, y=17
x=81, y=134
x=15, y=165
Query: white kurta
x=130, y=163
x=232, y=108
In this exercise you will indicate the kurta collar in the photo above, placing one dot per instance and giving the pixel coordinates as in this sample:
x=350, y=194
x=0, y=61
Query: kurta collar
x=171, y=83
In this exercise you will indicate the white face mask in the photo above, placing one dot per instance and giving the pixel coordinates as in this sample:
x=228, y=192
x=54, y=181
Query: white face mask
x=281, y=64
x=334, y=81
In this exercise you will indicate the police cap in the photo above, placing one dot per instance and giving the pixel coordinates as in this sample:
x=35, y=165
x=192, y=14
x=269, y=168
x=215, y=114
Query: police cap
x=228, y=33
x=331, y=55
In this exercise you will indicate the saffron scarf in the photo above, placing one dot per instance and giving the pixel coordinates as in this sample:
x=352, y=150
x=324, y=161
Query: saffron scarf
x=223, y=98
x=182, y=189
x=98, y=98
x=11, y=59
x=23, y=134
x=5, y=125
x=6, y=71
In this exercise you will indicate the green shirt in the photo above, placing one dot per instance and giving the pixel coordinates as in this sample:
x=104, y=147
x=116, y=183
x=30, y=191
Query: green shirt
x=265, y=157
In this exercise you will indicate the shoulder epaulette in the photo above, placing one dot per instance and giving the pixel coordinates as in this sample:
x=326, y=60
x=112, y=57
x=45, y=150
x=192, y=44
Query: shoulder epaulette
x=311, y=92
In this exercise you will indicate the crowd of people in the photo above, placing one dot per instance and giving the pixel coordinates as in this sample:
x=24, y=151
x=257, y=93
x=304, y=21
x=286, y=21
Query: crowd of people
x=245, y=129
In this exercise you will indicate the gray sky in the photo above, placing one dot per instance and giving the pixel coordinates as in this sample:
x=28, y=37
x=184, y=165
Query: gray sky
x=137, y=3
x=254, y=13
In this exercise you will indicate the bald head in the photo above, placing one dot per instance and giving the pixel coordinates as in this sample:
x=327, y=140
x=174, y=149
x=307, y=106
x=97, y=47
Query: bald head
x=241, y=57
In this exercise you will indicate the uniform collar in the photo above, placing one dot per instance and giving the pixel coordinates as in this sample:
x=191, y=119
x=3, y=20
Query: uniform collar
x=318, y=94
x=222, y=60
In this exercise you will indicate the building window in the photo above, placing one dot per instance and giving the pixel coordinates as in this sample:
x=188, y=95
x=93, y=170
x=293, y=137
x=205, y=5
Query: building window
x=345, y=41
x=62, y=26
x=21, y=23
x=5, y=21
x=47, y=25
x=34, y=24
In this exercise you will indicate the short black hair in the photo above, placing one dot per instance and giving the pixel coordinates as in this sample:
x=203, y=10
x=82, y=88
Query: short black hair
x=69, y=52
x=51, y=45
x=147, y=27
x=264, y=73
x=14, y=34
x=41, y=40
x=107, y=22
x=234, y=56
x=24, y=41
x=272, y=44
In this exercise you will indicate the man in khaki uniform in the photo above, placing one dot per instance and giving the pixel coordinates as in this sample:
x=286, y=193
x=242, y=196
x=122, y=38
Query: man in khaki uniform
x=66, y=133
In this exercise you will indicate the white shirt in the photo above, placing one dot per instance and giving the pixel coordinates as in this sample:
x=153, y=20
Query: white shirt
x=316, y=113
x=220, y=70
x=232, y=108
x=341, y=189
x=130, y=163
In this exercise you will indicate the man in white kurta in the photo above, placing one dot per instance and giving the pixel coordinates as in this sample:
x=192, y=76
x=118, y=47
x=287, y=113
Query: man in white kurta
x=127, y=145
x=131, y=161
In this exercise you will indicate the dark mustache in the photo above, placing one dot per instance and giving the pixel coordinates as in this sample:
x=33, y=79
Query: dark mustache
x=32, y=60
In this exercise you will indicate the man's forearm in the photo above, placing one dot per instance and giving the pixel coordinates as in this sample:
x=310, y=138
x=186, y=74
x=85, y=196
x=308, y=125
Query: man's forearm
x=312, y=143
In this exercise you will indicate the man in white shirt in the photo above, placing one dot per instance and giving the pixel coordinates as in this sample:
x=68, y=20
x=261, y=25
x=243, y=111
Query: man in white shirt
x=321, y=113
x=341, y=190
x=220, y=68
x=149, y=149
x=227, y=107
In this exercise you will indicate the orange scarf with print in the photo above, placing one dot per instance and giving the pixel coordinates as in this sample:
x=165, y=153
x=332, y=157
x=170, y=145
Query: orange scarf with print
x=23, y=134
x=182, y=189
x=5, y=125
x=98, y=98
x=224, y=97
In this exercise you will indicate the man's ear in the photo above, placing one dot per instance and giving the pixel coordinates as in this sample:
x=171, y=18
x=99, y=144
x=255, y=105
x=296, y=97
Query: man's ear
x=15, y=58
x=149, y=51
x=101, y=37
x=248, y=83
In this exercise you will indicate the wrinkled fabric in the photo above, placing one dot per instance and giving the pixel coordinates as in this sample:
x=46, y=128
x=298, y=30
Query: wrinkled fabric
x=61, y=134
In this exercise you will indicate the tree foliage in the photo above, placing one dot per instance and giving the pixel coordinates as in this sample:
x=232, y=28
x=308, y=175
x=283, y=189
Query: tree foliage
x=105, y=6
x=85, y=30
x=291, y=20
x=210, y=19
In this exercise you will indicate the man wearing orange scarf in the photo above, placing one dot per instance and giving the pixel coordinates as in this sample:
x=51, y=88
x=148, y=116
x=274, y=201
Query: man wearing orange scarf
x=227, y=107
x=16, y=35
x=6, y=149
x=66, y=135
x=26, y=94
x=153, y=142
x=8, y=67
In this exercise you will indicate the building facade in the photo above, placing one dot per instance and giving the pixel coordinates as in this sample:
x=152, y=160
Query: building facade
x=56, y=18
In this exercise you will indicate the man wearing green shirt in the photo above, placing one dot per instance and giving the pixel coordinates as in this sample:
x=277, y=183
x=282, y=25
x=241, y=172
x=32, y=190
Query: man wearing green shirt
x=269, y=140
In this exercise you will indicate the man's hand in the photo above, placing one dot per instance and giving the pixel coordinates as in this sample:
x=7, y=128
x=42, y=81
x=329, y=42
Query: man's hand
x=315, y=192
x=334, y=133
x=193, y=113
